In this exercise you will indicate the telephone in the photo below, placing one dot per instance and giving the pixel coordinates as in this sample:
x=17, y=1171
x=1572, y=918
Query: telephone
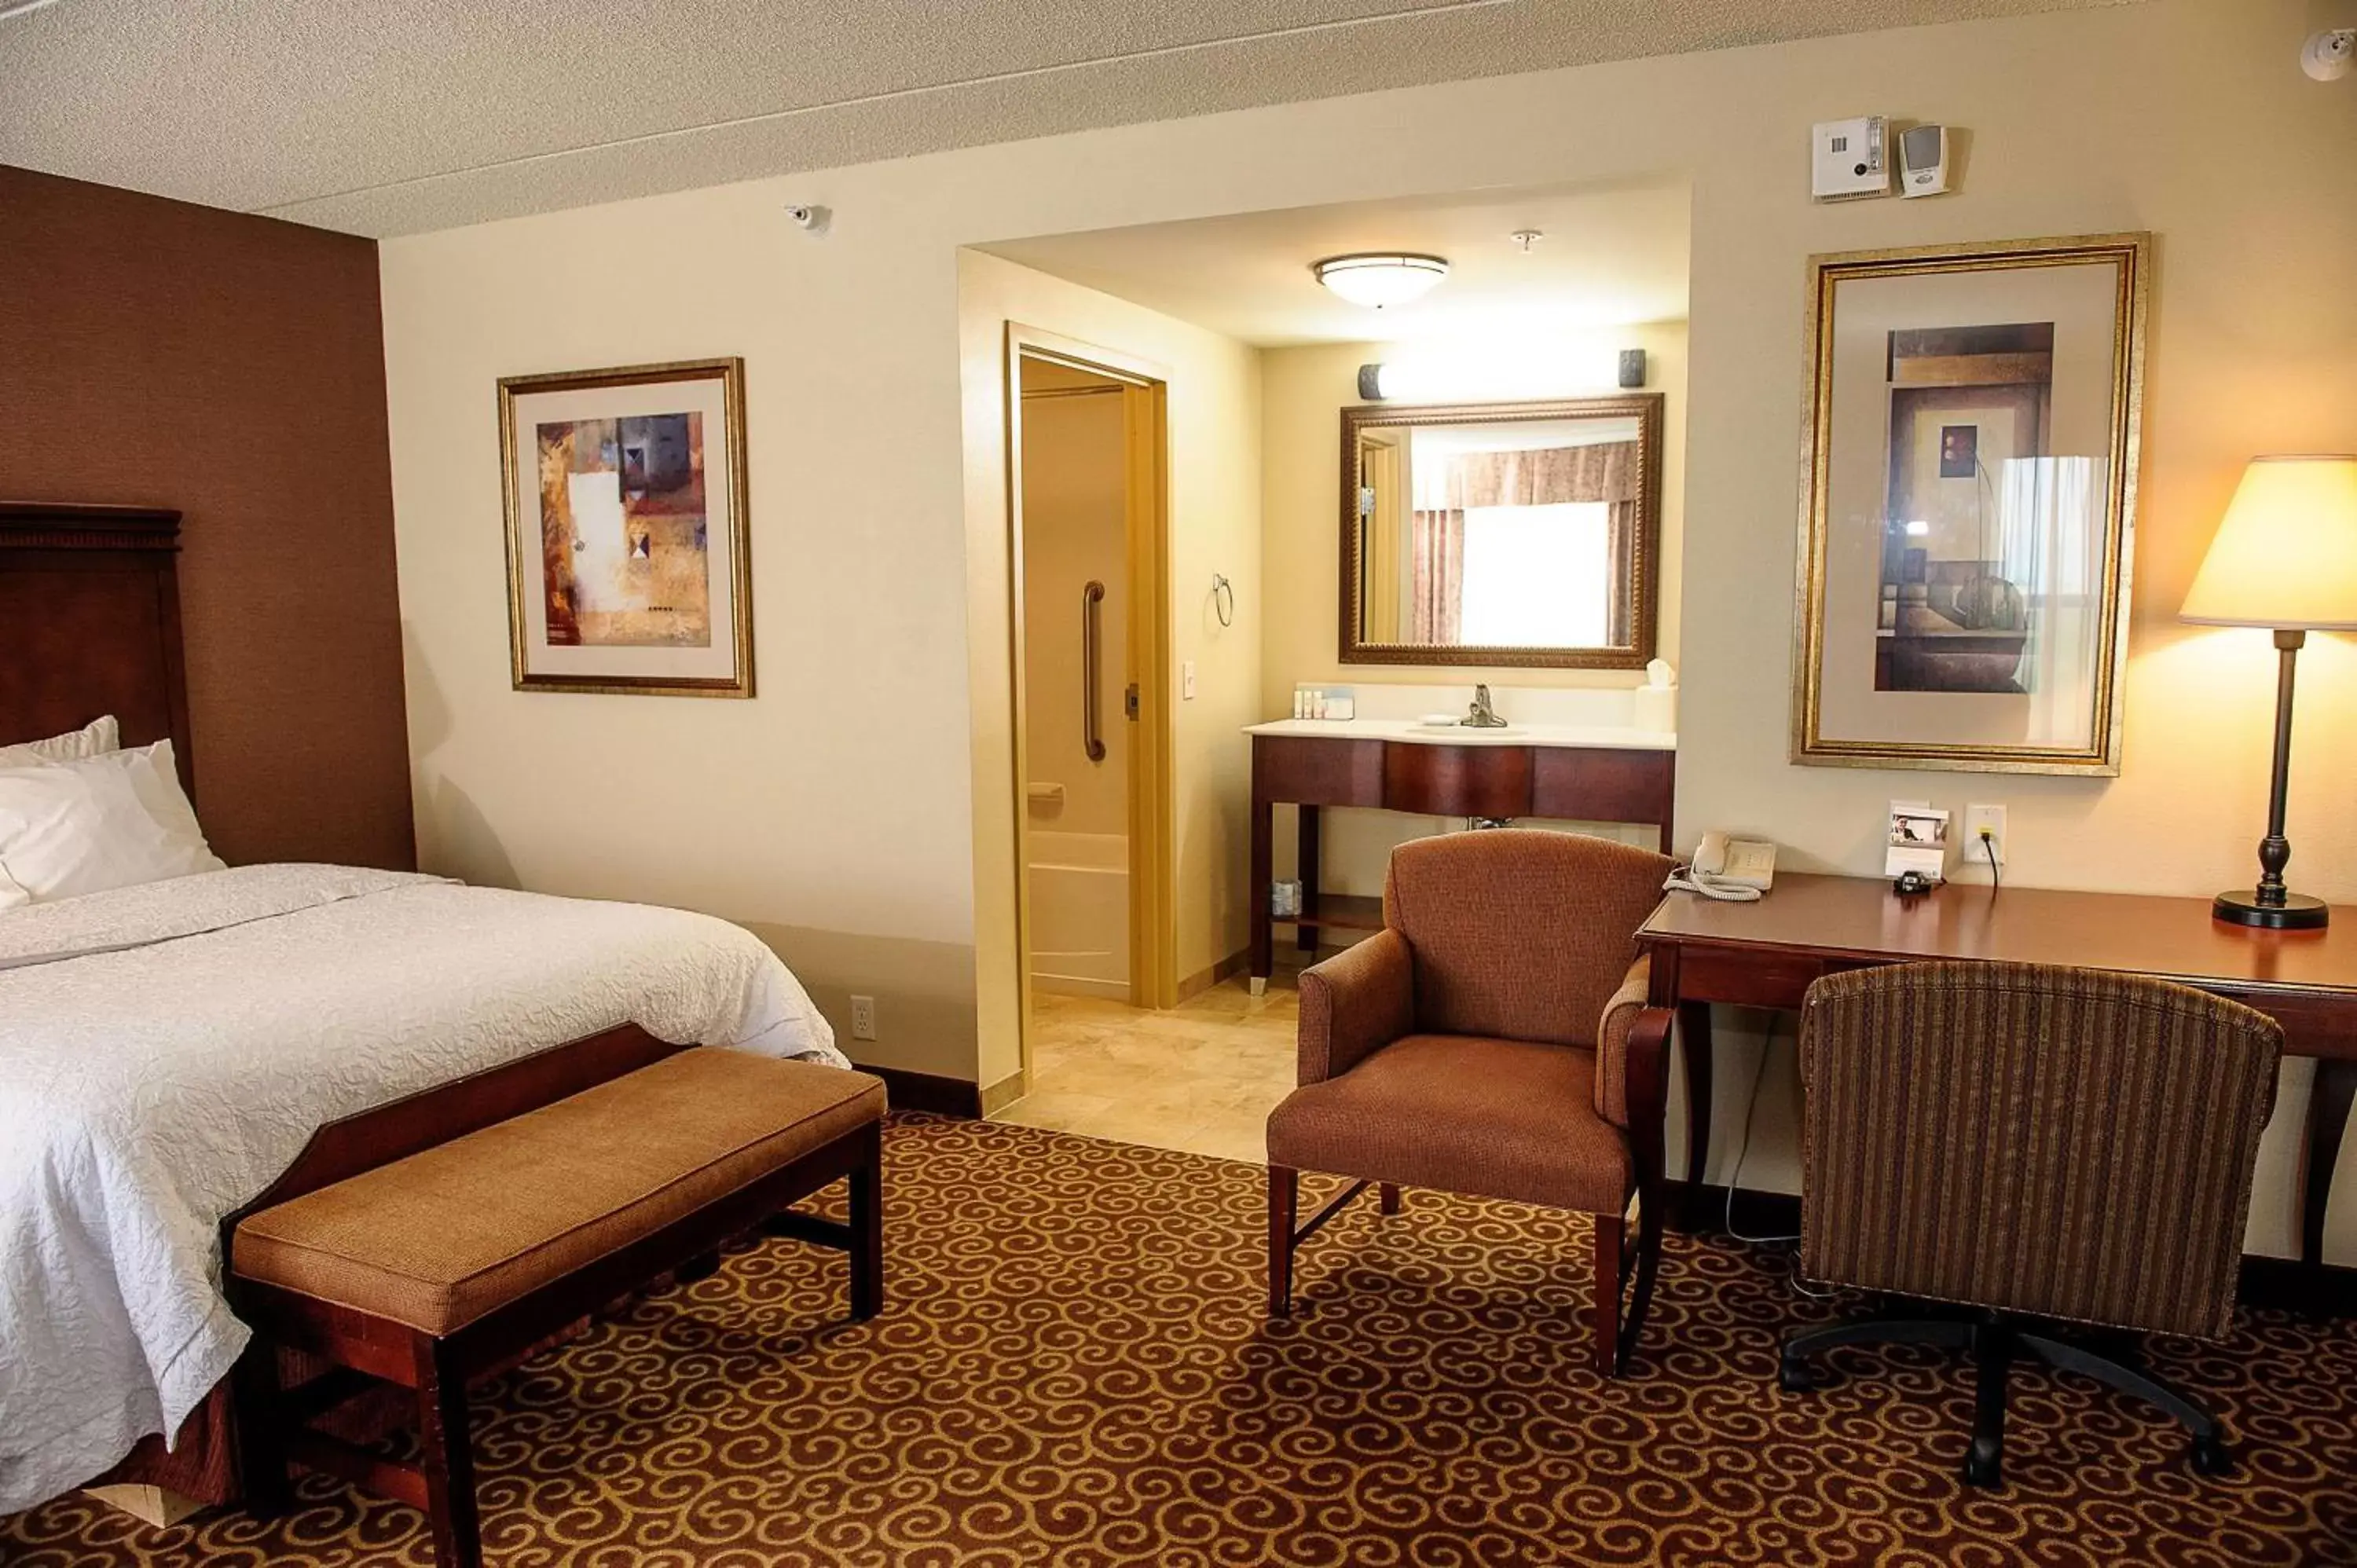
x=1738, y=870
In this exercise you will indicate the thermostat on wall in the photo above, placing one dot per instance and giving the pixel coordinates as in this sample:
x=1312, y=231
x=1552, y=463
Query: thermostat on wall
x=1923, y=160
x=1849, y=159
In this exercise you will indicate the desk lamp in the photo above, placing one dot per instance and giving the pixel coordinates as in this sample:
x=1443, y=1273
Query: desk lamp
x=2285, y=558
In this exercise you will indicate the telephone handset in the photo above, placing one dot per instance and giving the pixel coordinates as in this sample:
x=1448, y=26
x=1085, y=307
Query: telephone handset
x=1736, y=870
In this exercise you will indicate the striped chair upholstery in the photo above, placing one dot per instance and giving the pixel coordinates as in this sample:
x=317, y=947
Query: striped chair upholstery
x=2030, y=1139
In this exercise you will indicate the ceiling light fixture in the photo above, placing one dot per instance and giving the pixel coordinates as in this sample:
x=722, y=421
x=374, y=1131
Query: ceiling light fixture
x=1376, y=279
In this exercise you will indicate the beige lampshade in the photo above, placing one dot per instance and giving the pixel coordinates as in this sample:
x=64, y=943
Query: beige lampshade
x=2286, y=555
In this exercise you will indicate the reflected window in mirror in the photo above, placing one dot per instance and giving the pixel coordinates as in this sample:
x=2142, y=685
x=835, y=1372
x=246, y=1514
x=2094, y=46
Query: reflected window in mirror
x=1502, y=534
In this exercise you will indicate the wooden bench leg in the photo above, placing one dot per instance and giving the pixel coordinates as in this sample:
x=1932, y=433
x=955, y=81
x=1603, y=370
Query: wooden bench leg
x=1391, y=1199
x=261, y=1436
x=867, y=1229
x=447, y=1457
x=1284, y=1202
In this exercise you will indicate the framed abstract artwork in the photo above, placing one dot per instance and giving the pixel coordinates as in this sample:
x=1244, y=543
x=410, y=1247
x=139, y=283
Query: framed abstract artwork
x=629, y=557
x=1968, y=505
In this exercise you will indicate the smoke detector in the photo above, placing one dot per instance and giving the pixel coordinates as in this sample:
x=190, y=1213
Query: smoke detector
x=2329, y=54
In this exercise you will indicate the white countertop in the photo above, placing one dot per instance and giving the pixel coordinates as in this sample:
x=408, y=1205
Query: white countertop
x=1619, y=737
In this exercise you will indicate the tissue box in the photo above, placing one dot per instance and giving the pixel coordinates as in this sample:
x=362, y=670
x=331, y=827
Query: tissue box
x=1656, y=709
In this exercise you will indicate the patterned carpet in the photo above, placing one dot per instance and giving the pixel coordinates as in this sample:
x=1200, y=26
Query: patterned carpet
x=1074, y=1370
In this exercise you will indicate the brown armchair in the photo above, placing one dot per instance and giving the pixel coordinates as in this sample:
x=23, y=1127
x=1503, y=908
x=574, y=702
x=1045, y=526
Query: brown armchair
x=1491, y=1039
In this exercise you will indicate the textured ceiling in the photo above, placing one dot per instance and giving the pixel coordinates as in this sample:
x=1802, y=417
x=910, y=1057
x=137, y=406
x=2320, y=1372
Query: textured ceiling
x=1606, y=258
x=385, y=117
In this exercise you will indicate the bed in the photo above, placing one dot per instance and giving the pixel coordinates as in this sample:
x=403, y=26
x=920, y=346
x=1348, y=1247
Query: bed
x=178, y=1051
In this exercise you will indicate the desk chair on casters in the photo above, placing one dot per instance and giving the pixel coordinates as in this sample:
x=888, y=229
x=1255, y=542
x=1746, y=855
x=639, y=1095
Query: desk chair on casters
x=2041, y=1146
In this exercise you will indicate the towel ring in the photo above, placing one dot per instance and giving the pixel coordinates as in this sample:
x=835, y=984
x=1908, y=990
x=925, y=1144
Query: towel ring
x=1223, y=599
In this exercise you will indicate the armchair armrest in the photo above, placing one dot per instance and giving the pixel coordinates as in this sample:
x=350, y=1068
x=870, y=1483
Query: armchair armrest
x=1355, y=1004
x=1612, y=1041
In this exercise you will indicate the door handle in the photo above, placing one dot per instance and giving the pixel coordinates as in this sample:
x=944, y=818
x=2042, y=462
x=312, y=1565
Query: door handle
x=1091, y=656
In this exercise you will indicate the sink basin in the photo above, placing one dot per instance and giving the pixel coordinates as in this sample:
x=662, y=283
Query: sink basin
x=1462, y=735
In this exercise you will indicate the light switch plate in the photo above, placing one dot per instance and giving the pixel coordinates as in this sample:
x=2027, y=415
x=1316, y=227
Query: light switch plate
x=1187, y=680
x=1975, y=819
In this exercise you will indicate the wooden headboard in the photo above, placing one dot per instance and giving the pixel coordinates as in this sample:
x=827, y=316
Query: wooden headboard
x=90, y=624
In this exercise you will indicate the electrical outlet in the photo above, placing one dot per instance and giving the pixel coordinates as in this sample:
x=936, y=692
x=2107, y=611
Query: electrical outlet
x=863, y=1017
x=1978, y=820
x=1187, y=680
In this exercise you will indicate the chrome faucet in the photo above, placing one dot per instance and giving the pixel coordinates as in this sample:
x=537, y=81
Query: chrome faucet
x=1482, y=716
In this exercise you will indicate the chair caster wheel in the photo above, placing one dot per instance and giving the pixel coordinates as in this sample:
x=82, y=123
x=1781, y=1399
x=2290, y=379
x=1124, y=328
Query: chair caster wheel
x=2210, y=1456
x=1983, y=1471
x=1793, y=1377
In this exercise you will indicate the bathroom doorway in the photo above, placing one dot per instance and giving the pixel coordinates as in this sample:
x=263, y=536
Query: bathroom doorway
x=1087, y=477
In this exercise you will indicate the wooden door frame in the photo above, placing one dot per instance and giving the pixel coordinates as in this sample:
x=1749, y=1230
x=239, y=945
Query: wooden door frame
x=1153, y=917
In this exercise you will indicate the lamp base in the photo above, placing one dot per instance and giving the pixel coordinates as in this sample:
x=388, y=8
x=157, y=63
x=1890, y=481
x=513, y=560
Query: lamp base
x=2297, y=912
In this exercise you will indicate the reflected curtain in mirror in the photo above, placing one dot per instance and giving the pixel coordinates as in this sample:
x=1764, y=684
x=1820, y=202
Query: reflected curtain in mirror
x=1509, y=534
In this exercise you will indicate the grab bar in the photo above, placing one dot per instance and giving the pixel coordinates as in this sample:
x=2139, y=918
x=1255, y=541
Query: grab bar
x=1090, y=597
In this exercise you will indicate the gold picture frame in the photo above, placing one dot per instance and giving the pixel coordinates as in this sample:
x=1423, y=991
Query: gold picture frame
x=1967, y=510
x=636, y=487
x=1636, y=566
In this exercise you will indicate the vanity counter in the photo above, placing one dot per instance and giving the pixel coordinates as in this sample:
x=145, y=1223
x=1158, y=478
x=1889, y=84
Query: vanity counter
x=1589, y=773
x=1614, y=737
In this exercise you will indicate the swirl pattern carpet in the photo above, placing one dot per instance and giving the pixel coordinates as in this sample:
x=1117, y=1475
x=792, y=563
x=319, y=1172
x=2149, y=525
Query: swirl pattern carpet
x=1074, y=1370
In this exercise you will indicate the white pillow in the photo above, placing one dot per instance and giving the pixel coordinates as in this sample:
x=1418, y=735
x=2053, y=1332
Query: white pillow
x=108, y=821
x=97, y=736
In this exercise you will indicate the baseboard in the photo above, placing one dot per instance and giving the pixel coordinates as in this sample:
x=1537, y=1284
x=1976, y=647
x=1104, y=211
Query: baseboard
x=929, y=1091
x=159, y=1508
x=2329, y=1291
x=1767, y=1213
x=1080, y=985
x=997, y=1097
x=1203, y=980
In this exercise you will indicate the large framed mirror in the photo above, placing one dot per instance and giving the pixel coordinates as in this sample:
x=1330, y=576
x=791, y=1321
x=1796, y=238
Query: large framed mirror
x=1514, y=534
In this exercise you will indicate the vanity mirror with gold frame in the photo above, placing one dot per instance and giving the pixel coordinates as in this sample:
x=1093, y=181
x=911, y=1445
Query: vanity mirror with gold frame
x=1512, y=534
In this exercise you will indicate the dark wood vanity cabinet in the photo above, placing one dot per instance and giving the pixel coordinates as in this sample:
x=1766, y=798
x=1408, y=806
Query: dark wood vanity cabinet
x=1591, y=784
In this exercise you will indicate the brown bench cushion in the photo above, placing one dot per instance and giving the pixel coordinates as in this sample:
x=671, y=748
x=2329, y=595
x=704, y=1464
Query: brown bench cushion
x=439, y=1239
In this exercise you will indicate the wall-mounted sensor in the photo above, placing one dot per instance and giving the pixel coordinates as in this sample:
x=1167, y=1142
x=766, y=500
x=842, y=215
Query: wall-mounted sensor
x=1846, y=160
x=1923, y=160
x=1633, y=367
x=804, y=215
x=2329, y=54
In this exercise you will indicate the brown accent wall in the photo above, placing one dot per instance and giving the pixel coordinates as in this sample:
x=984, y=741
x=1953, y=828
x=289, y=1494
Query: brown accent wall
x=159, y=353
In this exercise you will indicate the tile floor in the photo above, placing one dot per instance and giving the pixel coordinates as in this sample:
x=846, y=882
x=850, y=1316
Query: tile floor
x=1202, y=1077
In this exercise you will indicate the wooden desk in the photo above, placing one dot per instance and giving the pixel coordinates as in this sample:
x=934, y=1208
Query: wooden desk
x=1360, y=765
x=1765, y=955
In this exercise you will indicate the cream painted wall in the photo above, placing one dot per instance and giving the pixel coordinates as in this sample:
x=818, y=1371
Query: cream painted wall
x=1075, y=492
x=1214, y=500
x=844, y=804
x=1303, y=394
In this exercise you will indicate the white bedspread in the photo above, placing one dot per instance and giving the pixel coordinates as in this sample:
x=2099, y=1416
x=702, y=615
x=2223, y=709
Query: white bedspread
x=166, y=1050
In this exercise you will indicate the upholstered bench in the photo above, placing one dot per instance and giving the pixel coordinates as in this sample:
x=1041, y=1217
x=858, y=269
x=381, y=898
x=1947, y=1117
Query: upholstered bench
x=448, y=1263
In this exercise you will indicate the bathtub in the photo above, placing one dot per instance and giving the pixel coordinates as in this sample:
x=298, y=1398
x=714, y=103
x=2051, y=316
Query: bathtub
x=1080, y=913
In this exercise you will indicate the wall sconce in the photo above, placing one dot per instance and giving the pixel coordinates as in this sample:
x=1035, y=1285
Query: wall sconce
x=1384, y=381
